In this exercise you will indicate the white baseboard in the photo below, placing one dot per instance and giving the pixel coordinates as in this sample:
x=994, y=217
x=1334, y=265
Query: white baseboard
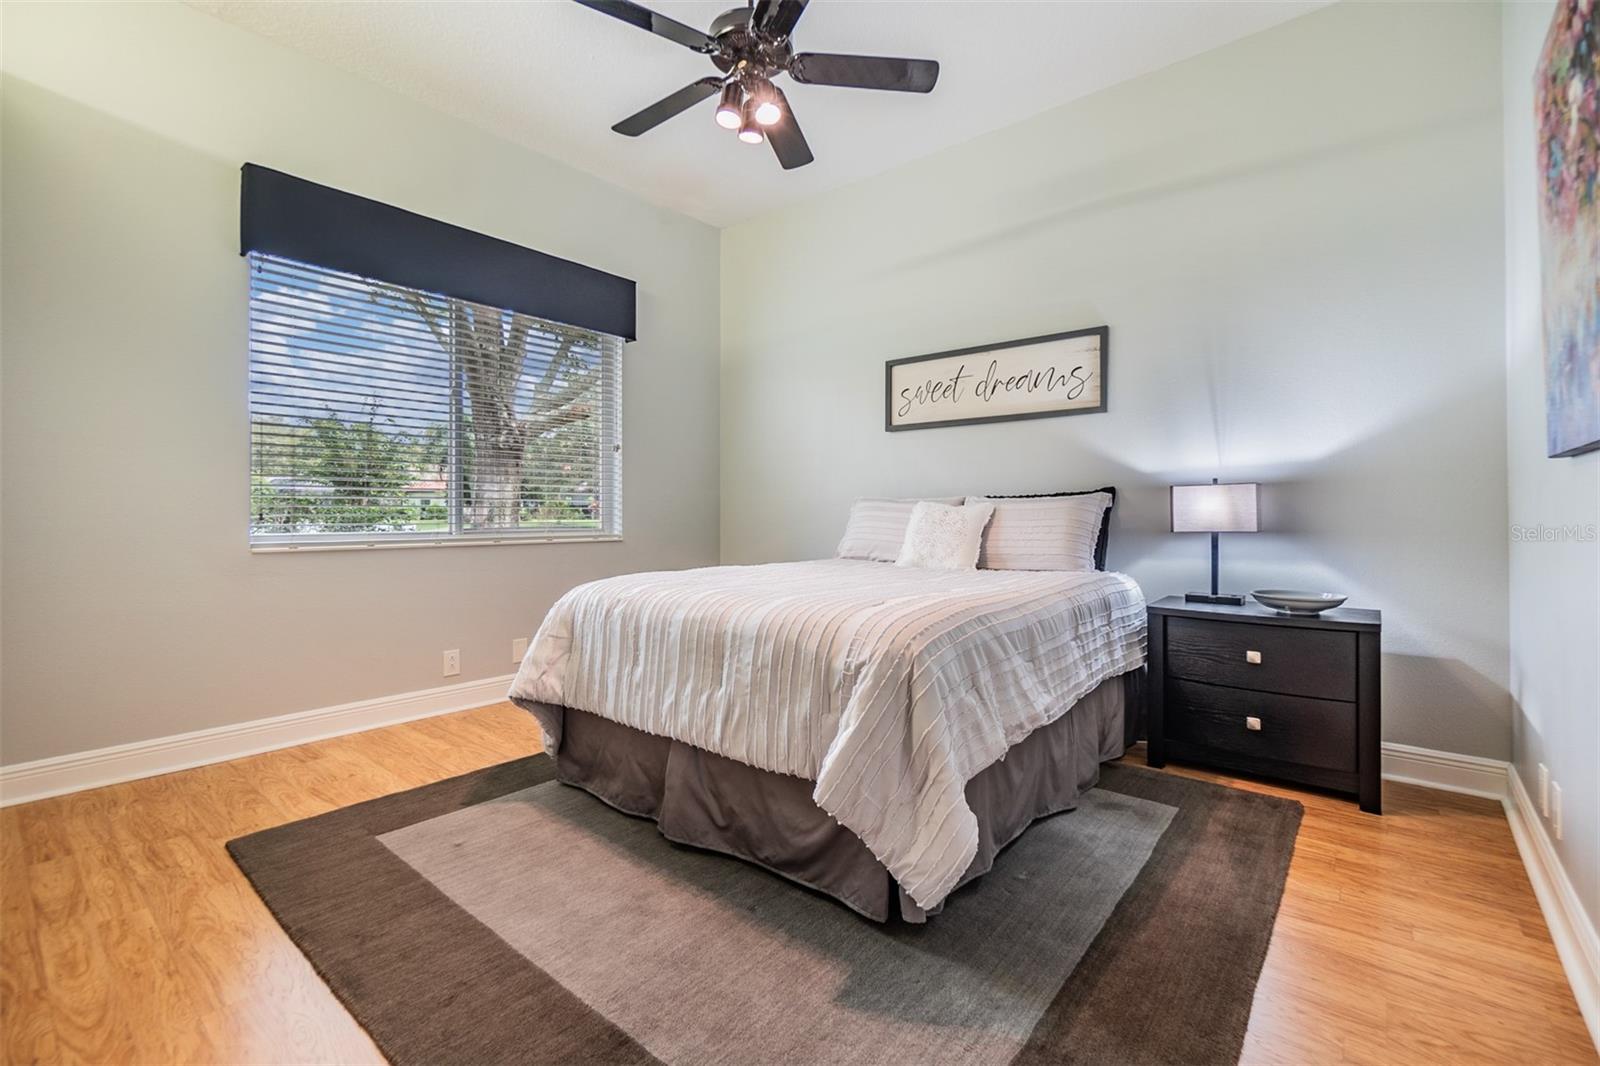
x=1574, y=934
x=1577, y=943
x=147, y=758
x=1469, y=774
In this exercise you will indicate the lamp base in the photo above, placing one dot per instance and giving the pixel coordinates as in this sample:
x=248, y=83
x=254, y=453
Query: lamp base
x=1232, y=599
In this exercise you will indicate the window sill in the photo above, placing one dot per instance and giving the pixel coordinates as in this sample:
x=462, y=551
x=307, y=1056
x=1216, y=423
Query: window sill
x=359, y=544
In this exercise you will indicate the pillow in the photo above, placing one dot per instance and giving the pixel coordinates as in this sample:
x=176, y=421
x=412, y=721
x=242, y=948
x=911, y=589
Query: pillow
x=941, y=537
x=877, y=528
x=1045, y=532
x=1103, y=542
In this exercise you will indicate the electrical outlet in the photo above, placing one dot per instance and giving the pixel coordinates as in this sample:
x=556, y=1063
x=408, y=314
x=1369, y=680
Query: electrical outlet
x=519, y=648
x=1544, y=790
x=1555, y=809
x=452, y=662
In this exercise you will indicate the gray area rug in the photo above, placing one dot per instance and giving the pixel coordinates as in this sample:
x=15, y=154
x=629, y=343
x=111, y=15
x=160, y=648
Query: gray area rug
x=504, y=917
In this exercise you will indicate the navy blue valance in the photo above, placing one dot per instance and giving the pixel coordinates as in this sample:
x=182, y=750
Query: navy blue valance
x=297, y=219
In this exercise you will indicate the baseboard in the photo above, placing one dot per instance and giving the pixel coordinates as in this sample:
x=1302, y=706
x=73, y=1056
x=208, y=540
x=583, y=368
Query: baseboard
x=1577, y=943
x=1573, y=931
x=147, y=758
x=1469, y=774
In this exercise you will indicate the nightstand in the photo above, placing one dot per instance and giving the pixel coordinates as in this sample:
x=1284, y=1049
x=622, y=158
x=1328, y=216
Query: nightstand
x=1251, y=689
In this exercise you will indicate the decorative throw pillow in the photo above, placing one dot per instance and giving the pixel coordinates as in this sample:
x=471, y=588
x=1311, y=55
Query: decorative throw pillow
x=1102, y=543
x=877, y=528
x=1043, y=533
x=941, y=537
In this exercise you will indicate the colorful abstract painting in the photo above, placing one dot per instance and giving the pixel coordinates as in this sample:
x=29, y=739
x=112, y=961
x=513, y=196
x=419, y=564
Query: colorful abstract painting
x=1568, y=103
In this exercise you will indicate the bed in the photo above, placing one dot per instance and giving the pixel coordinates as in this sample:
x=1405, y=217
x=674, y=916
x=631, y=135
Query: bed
x=874, y=732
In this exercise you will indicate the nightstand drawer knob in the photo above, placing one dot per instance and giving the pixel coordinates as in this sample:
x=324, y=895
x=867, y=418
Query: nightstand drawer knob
x=1253, y=658
x=1253, y=724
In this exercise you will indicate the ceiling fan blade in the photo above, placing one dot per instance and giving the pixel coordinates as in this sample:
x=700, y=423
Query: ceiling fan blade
x=865, y=72
x=663, y=109
x=788, y=143
x=660, y=25
x=778, y=17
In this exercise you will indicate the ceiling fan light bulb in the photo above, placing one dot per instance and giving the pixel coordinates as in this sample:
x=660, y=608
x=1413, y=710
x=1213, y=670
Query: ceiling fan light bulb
x=729, y=114
x=768, y=112
x=749, y=128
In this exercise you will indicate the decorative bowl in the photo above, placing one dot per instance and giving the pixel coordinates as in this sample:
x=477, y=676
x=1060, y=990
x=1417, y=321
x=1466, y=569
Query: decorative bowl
x=1295, y=601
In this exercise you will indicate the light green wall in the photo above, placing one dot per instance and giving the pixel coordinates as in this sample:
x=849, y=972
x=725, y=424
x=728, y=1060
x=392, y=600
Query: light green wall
x=132, y=608
x=1296, y=241
x=1555, y=584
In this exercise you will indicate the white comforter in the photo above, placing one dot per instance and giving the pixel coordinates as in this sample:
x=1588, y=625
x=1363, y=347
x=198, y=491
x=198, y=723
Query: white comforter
x=889, y=687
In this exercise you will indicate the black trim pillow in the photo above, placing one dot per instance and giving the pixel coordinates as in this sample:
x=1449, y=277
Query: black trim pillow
x=1102, y=542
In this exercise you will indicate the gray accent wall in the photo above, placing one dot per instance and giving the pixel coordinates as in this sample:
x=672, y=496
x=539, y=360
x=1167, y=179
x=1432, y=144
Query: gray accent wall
x=132, y=608
x=1555, y=512
x=1296, y=241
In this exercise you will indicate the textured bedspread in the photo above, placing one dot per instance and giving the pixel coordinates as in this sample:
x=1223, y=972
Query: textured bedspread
x=888, y=687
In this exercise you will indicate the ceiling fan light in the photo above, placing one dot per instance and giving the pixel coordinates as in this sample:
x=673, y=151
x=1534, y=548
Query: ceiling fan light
x=768, y=110
x=728, y=110
x=749, y=128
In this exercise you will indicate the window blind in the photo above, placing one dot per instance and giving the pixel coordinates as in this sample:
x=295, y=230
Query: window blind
x=382, y=415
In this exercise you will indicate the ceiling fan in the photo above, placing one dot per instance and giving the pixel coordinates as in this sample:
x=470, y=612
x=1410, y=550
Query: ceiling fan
x=750, y=46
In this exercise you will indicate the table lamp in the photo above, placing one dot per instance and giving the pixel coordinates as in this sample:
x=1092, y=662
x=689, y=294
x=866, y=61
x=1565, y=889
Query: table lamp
x=1214, y=509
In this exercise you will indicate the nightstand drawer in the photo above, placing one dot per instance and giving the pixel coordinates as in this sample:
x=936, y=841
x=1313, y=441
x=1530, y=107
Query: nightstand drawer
x=1300, y=662
x=1293, y=729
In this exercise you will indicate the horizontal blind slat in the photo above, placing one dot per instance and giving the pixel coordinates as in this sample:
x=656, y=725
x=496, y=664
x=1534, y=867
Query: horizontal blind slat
x=363, y=418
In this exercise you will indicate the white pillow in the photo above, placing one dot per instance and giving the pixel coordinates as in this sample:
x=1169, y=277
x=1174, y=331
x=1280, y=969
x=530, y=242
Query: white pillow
x=941, y=537
x=877, y=528
x=1045, y=533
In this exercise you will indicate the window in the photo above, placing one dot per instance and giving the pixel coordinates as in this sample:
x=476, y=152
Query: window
x=386, y=415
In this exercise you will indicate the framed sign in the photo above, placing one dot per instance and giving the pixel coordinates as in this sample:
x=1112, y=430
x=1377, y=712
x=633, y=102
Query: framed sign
x=1040, y=377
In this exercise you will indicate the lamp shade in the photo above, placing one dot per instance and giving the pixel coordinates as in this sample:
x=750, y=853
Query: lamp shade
x=1214, y=508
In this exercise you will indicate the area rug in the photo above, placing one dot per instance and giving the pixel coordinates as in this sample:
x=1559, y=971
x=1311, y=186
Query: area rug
x=502, y=917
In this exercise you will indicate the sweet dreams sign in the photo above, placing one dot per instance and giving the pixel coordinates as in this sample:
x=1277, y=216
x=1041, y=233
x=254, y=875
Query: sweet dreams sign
x=1040, y=377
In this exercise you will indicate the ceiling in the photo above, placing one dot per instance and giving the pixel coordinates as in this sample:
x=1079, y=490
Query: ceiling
x=554, y=76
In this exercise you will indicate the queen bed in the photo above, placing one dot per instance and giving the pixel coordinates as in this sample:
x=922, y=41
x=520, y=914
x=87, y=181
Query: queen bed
x=875, y=732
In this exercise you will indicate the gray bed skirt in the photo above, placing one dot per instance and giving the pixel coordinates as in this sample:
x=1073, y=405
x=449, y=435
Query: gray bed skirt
x=709, y=801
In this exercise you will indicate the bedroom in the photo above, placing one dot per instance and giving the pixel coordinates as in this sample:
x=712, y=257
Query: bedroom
x=1302, y=247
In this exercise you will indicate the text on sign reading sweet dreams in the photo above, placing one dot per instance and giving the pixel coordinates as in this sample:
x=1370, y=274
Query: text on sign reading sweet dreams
x=1058, y=375
x=1068, y=384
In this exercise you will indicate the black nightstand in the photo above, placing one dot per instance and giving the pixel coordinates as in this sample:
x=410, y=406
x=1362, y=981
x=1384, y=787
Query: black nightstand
x=1250, y=689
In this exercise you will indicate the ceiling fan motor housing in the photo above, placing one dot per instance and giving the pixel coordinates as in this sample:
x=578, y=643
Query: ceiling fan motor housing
x=737, y=19
x=746, y=53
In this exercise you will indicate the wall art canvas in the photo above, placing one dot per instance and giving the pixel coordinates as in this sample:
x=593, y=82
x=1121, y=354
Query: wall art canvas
x=1040, y=377
x=1567, y=97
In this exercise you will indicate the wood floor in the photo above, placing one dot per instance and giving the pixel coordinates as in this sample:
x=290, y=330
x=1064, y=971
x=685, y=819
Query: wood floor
x=127, y=934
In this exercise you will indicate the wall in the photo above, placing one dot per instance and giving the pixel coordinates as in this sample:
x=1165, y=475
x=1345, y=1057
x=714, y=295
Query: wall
x=1555, y=584
x=1296, y=242
x=132, y=607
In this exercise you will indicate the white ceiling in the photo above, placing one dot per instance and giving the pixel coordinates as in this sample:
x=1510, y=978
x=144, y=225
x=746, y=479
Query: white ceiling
x=554, y=76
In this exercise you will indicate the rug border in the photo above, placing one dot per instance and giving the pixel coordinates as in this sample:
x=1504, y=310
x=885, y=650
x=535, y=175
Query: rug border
x=1187, y=1019
x=307, y=884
